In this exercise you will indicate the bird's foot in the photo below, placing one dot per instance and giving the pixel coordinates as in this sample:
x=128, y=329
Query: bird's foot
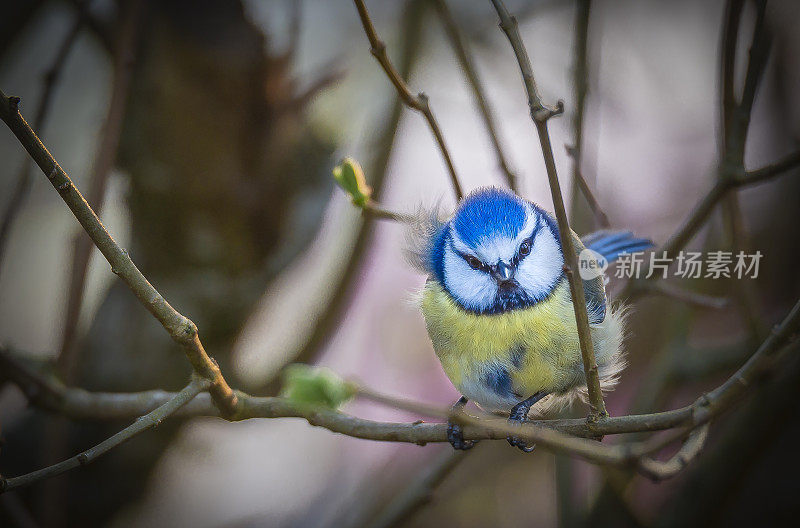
x=455, y=435
x=518, y=416
x=522, y=445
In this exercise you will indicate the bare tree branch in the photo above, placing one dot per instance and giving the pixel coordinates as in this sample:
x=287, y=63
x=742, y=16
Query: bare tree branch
x=419, y=102
x=734, y=127
x=704, y=208
x=759, y=54
x=143, y=423
x=575, y=438
x=182, y=329
x=376, y=210
x=790, y=162
x=601, y=218
x=100, y=28
x=411, y=27
x=558, y=436
x=730, y=33
x=80, y=404
x=689, y=450
x=541, y=114
x=735, y=118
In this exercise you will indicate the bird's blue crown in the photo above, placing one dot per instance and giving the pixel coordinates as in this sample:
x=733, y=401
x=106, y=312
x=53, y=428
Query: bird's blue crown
x=488, y=213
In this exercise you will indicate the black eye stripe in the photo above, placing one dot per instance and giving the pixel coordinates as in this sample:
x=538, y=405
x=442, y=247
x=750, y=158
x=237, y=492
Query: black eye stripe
x=472, y=262
x=475, y=263
x=468, y=257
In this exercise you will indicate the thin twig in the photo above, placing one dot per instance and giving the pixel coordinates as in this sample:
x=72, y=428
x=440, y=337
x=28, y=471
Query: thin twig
x=759, y=54
x=179, y=327
x=733, y=139
x=126, y=39
x=551, y=438
x=99, y=27
x=459, y=45
x=790, y=162
x=80, y=404
x=419, y=102
x=705, y=206
x=541, y=114
x=730, y=33
x=295, y=27
x=24, y=180
x=376, y=210
x=657, y=470
x=698, y=217
x=707, y=203
x=152, y=419
x=600, y=217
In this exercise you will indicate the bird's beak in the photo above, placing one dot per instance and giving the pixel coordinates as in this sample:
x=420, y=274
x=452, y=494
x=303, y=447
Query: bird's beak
x=502, y=272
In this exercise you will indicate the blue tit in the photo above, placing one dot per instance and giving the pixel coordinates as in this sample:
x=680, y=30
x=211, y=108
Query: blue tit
x=498, y=308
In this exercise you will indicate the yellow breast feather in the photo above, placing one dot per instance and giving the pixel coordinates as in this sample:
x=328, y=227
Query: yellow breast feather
x=538, y=347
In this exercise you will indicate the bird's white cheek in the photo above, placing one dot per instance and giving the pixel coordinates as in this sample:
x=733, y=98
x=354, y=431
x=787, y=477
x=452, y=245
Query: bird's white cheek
x=473, y=288
x=539, y=271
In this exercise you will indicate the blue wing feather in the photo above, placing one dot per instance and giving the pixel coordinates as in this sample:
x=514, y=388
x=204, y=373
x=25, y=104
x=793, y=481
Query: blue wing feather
x=611, y=244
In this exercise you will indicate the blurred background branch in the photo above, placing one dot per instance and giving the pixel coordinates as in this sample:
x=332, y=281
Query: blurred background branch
x=466, y=62
x=49, y=80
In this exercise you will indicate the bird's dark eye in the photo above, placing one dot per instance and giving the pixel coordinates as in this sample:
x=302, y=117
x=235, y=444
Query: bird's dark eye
x=525, y=248
x=474, y=263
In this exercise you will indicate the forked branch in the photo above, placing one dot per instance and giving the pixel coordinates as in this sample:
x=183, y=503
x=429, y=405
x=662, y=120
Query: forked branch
x=179, y=327
x=417, y=102
x=142, y=423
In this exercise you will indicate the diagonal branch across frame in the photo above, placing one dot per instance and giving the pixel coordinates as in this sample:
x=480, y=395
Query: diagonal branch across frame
x=179, y=327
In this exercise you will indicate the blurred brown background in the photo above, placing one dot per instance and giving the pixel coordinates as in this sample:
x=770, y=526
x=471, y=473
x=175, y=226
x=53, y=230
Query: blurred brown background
x=232, y=116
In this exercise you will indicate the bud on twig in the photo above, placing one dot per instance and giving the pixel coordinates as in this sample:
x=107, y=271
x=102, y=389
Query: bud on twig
x=350, y=177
